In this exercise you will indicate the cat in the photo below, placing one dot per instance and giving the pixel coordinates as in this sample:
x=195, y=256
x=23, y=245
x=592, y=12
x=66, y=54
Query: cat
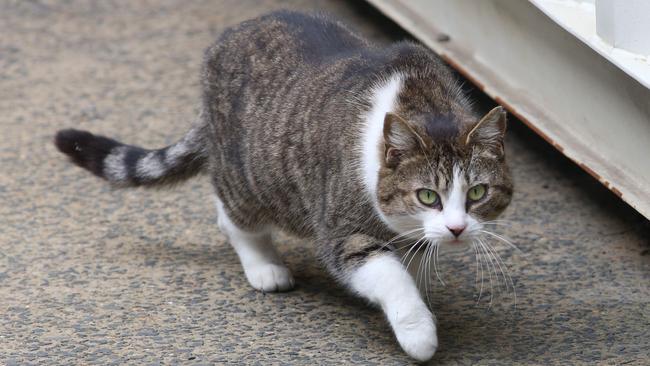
x=307, y=127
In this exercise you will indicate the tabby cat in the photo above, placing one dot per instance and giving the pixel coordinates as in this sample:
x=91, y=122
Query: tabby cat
x=309, y=128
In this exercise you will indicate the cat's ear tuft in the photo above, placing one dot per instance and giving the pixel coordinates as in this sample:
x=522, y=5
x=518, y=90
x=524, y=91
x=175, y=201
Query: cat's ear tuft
x=489, y=131
x=400, y=137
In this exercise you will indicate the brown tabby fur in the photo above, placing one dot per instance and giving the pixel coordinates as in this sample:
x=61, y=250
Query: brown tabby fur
x=283, y=102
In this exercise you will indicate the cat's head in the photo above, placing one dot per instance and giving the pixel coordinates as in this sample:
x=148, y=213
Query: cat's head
x=441, y=177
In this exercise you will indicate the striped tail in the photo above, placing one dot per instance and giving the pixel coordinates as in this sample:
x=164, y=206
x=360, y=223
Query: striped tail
x=130, y=166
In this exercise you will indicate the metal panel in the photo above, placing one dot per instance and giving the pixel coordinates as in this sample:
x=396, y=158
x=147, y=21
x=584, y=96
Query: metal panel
x=581, y=103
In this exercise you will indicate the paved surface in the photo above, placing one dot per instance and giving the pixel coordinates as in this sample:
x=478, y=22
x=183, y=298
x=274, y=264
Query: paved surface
x=90, y=275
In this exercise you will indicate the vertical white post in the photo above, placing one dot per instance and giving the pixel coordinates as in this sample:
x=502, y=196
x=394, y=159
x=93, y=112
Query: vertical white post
x=625, y=24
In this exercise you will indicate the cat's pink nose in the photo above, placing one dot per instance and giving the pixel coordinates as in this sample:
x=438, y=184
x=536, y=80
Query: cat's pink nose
x=456, y=230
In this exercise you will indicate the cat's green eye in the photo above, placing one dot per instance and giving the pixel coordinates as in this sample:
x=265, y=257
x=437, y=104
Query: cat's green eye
x=476, y=193
x=427, y=197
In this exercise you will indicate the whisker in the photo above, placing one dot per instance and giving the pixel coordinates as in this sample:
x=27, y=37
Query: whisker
x=435, y=264
x=504, y=271
x=402, y=236
x=496, y=255
x=476, y=267
x=497, y=223
x=491, y=254
x=501, y=221
x=422, y=266
x=489, y=263
x=417, y=245
x=479, y=260
x=433, y=245
x=504, y=240
x=419, y=268
x=409, y=250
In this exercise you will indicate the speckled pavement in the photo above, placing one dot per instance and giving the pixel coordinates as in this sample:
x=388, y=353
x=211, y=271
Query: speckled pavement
x=91, y=275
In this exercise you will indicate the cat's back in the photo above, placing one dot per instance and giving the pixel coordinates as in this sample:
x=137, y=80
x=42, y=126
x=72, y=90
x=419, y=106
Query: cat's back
x=316, y=37
x=293, y=36
x=274, y=99
x=283, y=96
x=263, y=66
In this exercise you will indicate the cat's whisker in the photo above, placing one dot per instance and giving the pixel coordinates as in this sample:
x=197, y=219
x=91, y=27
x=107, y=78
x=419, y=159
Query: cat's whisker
x=499, y=221
x=504, y=271
x=411, y=247
x=476, y=257
x=417, y=273
x=402, y=237
x=418, y=244
x=428, y=276
x=494, y=263
x=423, y=261
x=404, y=256
x=476, y=283
x=435, y=265
x=490, y=270
x=502, y=239
x=479, y=260
x=498, y=264
x=496, y=224
x=498, y=257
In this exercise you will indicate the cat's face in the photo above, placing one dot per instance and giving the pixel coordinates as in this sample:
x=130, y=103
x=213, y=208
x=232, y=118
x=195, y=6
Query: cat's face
x=442, y=183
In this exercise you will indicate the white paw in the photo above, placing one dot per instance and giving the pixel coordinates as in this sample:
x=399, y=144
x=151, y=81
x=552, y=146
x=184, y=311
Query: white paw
x=416, y=333
x=269, y=277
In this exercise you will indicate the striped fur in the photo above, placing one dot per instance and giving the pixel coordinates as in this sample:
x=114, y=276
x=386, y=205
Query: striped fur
x=309, y=128
x=130, y=166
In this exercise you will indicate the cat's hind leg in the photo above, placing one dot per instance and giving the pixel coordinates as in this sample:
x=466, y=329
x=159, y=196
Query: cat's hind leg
x=262, y=263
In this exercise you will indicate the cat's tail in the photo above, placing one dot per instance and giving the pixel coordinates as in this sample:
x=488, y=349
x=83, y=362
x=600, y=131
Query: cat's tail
x=129, y=166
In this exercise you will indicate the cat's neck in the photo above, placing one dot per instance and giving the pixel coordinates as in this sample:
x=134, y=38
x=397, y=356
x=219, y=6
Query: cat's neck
x=383, y=99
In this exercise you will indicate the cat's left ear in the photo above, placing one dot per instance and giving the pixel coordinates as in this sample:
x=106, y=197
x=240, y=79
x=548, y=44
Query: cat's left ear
x=489, y=131
x=400, y=139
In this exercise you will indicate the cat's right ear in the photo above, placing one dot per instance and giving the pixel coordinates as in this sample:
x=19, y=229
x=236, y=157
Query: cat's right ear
x=400, y=137
x=490, y=129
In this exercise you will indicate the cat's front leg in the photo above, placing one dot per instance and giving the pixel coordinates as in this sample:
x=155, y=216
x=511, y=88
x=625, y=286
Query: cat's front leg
x=375, y=273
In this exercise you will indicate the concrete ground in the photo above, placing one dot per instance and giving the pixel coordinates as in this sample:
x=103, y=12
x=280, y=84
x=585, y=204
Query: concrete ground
x=91, y=275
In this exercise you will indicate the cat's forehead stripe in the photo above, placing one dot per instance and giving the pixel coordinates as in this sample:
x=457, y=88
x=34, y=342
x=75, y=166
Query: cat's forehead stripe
x=441, y=127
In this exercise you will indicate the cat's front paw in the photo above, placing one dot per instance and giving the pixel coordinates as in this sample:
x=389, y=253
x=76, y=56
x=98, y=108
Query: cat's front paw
x=416, y=333
x=269, y=277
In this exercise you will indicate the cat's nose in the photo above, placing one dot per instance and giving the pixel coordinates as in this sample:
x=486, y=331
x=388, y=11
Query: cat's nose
x=456, y=230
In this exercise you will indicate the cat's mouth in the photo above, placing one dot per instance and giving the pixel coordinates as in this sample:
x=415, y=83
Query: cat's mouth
x=453, y=245
x=464, y=240
x=456, y=241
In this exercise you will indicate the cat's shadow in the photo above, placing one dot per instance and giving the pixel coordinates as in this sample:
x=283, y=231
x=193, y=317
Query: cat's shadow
x=311, y=278
x=462, y=324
